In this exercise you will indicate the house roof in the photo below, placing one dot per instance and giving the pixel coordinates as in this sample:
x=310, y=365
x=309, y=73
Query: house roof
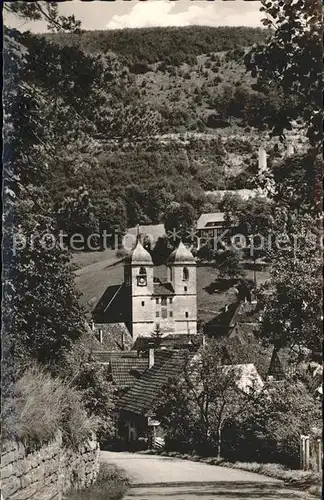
x=248, y=376
x=224, y=322
x=111, y=306
x=126, y=370
x=207, y=220
x=247, y=352
x=115, y=336
x=141, y=396
x=163, y=289
x=245, y=194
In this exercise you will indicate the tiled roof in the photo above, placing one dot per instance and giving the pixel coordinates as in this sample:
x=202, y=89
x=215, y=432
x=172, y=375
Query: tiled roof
x=163, y=289
x=107, y=356
x=126, y=370
x=115, y=336
x=142, y=395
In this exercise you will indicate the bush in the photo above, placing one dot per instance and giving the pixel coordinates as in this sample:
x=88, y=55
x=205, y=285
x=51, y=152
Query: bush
x=40, y=406
x=110, y=485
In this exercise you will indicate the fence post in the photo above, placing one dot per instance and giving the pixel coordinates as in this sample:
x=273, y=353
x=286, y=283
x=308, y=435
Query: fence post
x=319, y=455
x=307, y=454
x=302, y=452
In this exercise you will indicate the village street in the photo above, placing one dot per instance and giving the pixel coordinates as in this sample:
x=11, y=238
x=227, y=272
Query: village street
x=157, y=478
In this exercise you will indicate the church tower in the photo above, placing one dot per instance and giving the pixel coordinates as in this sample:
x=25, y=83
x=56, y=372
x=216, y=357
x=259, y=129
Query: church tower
x=138, y=280
x=183, y=277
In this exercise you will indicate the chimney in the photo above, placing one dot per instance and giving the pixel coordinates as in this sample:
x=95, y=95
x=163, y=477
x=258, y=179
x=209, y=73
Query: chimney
x=226, y=308
x=262, y=160
x=151, y=357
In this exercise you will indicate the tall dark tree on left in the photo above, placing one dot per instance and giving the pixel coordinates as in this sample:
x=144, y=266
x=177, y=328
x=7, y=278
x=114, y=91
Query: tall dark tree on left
x=41, y=314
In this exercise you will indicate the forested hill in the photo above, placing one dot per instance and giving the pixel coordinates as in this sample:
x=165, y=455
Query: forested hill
x=150, y=116
x=176, y=45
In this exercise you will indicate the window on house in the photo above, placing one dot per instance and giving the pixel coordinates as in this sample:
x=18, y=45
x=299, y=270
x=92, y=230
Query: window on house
x=157, y=300
x=164, y=313
x=170, y=300
x=171, y=314
x=185, y=274
x=157, y=314
x=187, y=314
x=185, y=288
x=164, y=301
x=143, y=303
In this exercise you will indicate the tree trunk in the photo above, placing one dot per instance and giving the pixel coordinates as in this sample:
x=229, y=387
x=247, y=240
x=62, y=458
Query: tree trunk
x=219, y=442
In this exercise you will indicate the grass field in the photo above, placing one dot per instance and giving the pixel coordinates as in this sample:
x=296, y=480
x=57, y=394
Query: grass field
x=211, y=302
x=83, y=259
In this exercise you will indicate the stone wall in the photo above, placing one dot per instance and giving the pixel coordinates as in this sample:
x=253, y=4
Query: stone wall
x=47, y=473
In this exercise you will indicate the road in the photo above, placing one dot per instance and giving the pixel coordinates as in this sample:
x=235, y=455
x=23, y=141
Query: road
x=158, y=478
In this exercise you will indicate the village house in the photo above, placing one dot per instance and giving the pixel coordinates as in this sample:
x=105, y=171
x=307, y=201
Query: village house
x=210, y=227
x=136, y=419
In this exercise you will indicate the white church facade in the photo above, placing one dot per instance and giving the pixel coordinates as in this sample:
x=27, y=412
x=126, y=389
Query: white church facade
x=149, y=301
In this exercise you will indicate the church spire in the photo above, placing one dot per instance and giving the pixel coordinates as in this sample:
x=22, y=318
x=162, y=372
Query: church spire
x=138, y=234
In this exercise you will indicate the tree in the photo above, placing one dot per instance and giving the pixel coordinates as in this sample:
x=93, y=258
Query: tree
x=206, y=396
x=229, y=264
x=76, y=216
x=48, y=11
x=293, y=310
x=180, y=218
x=293, y=297
x=92, y=380
x=157, y=335
x=162, y=250
x=298, y=182
x=41, y=313
x=205, y=252
x=291, y=60
x=271, y=430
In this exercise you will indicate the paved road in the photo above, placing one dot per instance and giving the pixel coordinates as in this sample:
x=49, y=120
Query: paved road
x=158, y=478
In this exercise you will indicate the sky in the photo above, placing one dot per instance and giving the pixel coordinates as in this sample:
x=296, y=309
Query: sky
x=103, y=15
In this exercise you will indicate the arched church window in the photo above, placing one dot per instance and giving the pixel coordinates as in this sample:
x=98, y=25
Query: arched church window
x=185, y=274
x=142, y=271
x=142, y=277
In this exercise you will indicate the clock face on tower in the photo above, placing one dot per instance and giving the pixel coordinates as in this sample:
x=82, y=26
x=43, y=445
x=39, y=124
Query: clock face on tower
x=141, y=281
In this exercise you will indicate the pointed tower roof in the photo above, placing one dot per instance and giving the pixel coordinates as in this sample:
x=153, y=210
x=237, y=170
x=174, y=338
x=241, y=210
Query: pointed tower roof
x=139, y=256
x=181, y=255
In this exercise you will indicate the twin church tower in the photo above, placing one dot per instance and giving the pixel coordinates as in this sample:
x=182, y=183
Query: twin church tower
x=161, y=298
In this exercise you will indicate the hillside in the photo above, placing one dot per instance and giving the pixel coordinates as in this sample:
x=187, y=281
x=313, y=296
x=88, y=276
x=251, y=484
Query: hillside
x=178, y=115
x=169, y=44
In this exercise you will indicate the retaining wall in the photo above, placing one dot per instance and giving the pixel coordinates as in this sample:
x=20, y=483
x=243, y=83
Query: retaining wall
x=46, y=474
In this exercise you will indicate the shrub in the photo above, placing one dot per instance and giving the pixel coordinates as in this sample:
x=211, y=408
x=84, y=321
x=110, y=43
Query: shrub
x=110, y=485
x=40, y=406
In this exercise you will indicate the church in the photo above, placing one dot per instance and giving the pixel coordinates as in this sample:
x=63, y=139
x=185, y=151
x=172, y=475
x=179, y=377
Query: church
x=153, y=298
